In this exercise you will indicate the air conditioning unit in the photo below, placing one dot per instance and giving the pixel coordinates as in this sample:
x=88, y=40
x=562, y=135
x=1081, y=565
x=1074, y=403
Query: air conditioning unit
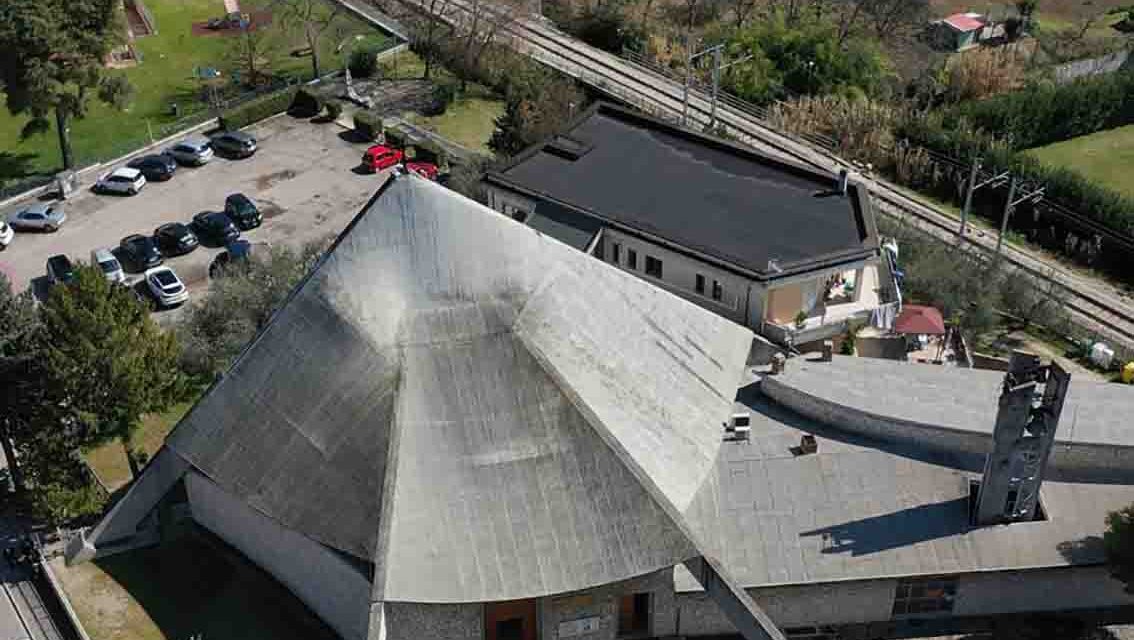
x=738, y=426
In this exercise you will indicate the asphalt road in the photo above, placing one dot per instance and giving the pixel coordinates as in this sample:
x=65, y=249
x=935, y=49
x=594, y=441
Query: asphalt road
x=302, y=178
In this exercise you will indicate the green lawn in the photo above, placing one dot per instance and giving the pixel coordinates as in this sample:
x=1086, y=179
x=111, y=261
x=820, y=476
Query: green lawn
x=1106, y=156
x=189, y=585
x=469, y=121
x=109, y=460
x=164, y=76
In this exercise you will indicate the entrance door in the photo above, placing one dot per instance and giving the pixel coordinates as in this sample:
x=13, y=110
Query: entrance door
x=513, y=620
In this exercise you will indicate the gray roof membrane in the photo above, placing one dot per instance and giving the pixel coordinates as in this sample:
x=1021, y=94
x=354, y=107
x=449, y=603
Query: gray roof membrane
x=480, y=410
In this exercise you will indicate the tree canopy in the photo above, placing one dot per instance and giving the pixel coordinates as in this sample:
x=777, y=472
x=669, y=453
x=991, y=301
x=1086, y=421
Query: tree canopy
x=107, y=358
x=807, y=57
x=51, y=60
x=1118, y=541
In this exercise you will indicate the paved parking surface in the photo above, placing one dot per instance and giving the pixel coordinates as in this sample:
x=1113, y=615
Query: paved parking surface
x=302, y=179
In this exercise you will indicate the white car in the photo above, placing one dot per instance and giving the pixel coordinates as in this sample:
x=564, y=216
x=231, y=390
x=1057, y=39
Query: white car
x=192, y=151
x=109, y=265
x=167, y=288
x=121, y=180
x=7, y=234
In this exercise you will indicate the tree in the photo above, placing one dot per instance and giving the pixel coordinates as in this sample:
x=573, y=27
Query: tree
x=251, y=51
x=19, y=333
x=107, y=359
x=313, y=18
x=51, y=60
x=1026, y=8
x=537, y=104
x=240, y=304
x=803, y=59
x=429, y=32
x=480, y=24
x=1118, y=540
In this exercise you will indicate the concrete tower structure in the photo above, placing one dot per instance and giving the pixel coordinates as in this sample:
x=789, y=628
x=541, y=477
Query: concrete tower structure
x=1030, y=404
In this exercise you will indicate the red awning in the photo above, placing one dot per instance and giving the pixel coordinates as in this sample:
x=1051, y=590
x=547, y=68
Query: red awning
x=964, y=22
x=918, y=319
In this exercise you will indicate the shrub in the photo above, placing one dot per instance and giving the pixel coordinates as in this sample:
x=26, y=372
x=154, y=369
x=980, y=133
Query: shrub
x=306, y=104
x=257, y=109
x=396, y=139
x=444, y=93
x=367, y=124
x=363, y=61
x=607, y=28
x=334, y=109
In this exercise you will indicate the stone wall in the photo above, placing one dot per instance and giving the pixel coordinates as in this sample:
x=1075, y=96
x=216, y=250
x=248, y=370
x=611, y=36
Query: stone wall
x=602, y=603
x=413, y=621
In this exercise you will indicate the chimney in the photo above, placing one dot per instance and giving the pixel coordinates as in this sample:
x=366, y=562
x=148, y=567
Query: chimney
x=842, y=185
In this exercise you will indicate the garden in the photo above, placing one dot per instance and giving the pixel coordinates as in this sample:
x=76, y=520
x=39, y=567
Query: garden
x=177, y=78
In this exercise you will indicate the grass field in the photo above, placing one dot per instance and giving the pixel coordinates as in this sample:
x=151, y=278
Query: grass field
x=109, y=460
x=1106, y=156
x=469, y=121
x=164, y=76
x=191, y=586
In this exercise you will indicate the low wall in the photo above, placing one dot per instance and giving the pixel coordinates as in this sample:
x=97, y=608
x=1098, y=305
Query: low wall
x=1067, y=455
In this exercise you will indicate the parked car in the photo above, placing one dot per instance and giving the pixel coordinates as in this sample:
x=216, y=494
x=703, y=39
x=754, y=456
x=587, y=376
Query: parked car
x=111, y=268
x=426, y=170
x=121, y=180
x=39, y=217
x=175, y=239
x=157, y=167
x=235, y=253
x=166, y=287
x=7, y=234
x=141, y=251
x=242, y=211
x=216, y=226
x=379, y=157
x=192, y=151
x=234, y=144
x=60, y=270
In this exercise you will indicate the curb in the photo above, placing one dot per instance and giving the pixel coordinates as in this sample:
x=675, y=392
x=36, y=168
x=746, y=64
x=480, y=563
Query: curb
x=62, y=595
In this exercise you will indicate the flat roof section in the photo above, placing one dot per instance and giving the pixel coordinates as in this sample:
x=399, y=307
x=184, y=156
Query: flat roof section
x=695, y=191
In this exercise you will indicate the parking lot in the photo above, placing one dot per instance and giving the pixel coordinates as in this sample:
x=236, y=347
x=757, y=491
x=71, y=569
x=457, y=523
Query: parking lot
x=302, y=179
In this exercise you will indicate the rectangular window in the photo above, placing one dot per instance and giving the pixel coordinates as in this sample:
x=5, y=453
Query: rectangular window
x=616, y=253
x=1010, y=502
x=632, y=258
x=634, y=615
x=929, y=595
x=653, y=267
x=700, y=285
x=718, y=291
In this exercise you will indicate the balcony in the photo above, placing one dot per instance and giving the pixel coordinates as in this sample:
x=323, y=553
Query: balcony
x=825, y=321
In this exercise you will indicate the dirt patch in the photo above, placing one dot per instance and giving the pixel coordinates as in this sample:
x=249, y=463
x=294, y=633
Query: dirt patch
x=267, y=181
x=271, y=210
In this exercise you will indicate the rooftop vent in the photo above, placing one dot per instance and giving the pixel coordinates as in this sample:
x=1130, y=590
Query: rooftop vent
x=738, y=427
x=567, y=148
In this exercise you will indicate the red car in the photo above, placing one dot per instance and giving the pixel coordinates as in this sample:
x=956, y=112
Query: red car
x=378, y=158
x=426, y=170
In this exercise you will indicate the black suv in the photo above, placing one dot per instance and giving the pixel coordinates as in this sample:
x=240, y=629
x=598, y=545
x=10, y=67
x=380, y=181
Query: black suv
x=234, y=144
x=60, y=270
x=140, y=251
x=156, y=167
x=175, y=238
x=243, y=211
x=215, y=226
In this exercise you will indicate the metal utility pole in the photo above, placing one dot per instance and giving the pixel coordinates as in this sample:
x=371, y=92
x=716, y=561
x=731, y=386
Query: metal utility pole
x=994, y=181
x=690, y=57
x=716, y=86
x=1034, y=196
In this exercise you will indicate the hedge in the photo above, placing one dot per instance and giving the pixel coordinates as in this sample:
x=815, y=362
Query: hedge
x=257, y=109
x=1042, y=114
x=396, y=139
x=444, y=93
x=367, y=124
x=334, y=109
x=306, y=104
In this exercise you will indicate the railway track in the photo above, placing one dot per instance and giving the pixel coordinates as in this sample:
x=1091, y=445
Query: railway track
x=1098, y=305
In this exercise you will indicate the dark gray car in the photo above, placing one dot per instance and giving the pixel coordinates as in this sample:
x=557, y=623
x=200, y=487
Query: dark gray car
x=234, y=144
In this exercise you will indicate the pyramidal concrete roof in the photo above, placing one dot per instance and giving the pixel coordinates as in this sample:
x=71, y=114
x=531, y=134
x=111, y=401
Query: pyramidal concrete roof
x=481, y=411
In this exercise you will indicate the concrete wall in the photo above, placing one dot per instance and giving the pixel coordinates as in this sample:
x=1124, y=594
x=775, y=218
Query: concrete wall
x=602, y=603
x=792, y=606
x=1038, y=590
x=413, y=621
x=333, y=588
x=1080, y=457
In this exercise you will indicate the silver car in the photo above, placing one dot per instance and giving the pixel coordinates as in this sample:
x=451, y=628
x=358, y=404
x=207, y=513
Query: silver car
x=38, y=217
x=109, y=265
x=192, y=151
